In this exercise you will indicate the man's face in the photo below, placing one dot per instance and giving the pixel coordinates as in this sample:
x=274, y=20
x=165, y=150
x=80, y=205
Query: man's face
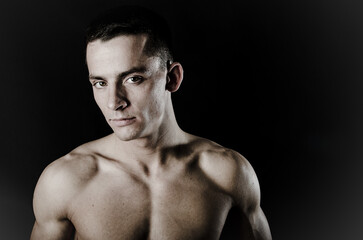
x=128, y=86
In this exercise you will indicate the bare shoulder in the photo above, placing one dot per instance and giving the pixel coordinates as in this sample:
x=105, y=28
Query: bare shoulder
x=72, y=169
x=233, y=174
x=230, y=171
x=62, y=179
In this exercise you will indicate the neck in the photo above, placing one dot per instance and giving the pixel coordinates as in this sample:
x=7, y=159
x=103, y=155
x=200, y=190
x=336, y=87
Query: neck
x=149, y=147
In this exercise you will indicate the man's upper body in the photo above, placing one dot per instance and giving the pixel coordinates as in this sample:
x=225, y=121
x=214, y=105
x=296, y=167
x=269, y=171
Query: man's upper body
x=148, y=179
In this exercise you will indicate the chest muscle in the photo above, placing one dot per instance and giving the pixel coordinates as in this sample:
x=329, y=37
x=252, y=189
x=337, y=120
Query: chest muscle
x=125, y=208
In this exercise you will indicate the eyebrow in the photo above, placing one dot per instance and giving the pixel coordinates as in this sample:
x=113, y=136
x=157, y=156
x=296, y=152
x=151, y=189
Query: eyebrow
x=122, y=75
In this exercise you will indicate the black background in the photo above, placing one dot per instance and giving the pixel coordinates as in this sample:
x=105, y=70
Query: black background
x=278, y=81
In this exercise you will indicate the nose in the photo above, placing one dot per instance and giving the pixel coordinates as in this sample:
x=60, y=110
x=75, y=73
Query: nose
x=117, y=99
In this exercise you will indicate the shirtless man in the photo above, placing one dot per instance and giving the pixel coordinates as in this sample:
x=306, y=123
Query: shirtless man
x=148, y=179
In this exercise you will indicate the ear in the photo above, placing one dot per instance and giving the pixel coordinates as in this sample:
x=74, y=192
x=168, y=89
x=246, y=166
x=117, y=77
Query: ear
x=174, y=77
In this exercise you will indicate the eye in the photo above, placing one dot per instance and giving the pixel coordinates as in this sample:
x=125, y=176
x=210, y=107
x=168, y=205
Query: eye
x=135, y=79
x=100, y=84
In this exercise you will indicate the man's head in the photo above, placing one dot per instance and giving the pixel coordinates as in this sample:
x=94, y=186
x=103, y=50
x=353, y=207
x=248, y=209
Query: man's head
x=131, y=71
x=134, y=20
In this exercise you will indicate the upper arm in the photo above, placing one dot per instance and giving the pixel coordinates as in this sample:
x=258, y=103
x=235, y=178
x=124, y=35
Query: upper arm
x=246, y=194
x=232, y=173
x=50, y=205
x=52, y=230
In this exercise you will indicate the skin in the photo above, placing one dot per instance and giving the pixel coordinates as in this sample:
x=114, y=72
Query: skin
x=149, y=179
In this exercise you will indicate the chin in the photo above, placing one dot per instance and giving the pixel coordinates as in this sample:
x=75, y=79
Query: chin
x=125, y=137
x=126, y=134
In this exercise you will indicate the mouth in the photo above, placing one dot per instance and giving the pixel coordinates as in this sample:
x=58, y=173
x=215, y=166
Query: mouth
x=121, y=122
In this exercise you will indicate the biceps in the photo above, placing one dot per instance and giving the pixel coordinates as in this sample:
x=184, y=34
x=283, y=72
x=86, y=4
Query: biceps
x=257, y=224
x=52, y=230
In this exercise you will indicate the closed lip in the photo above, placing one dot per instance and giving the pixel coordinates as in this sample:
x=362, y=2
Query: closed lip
x=120, y=122
x=121, y=119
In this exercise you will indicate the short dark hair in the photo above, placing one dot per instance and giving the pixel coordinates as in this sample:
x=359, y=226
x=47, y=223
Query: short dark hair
x=134, y=20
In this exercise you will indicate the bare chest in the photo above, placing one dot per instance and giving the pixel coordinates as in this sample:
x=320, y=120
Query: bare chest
x=123, y=207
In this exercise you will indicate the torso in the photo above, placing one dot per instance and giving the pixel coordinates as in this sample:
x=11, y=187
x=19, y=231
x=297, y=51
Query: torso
x=175, y=201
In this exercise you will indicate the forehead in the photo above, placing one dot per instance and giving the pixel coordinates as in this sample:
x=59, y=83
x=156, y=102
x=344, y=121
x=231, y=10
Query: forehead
x=122, y=51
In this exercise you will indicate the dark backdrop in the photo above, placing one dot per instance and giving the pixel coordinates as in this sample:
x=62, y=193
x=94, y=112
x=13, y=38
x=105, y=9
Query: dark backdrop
x=278, y=81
